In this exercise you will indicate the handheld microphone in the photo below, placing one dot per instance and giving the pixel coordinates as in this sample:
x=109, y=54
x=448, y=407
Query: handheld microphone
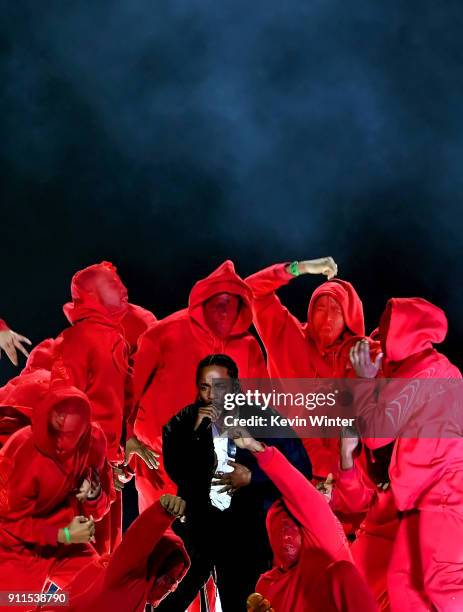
x=203, y=426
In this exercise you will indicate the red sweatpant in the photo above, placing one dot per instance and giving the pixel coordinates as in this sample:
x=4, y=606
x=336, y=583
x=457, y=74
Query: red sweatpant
x=426, y=569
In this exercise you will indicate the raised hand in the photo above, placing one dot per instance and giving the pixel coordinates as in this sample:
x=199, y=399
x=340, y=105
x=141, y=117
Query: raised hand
x=232, y=481
x=361, y=360
x=324, y=265
x=257, y=603
x=173, y=504
x=204, y=412
x=10, y=342
x=326, y=488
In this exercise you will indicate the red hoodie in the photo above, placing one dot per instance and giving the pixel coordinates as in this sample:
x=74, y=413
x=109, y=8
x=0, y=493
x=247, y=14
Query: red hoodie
x=169, y=352
x=422, y=470
x=321, y=576
x=25, y=391
x=147, y=565
x=166, y=361
x=38, y=490
x=292, y=351
x=3, y=325
x=93, y=354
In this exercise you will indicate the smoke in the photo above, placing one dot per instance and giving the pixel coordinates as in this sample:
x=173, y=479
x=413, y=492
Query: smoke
x=170, y=135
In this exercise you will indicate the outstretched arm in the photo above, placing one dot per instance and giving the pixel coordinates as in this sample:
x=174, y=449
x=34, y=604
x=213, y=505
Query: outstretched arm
x=276, y=326
x=131, y=556
x=353, y=491
x=303, y=501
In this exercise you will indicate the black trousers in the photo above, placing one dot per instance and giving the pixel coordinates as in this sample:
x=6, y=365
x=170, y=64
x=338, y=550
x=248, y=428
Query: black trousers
x=232, y=543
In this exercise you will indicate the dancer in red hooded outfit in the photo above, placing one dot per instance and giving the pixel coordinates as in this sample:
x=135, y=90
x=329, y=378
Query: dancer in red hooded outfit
x=426, y=570
x=93, y=356
x=147, y=565
x=52, y=473
x=216, y=321
x=363, y=487
x=10, y=342
x=19, y=396
x=312, y=565
x=318, y=348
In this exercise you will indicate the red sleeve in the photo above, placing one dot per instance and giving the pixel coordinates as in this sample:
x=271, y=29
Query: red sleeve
x=145, y=363
x=130, y=409
x=131, y=556
x=145, y=360
x=18, y=504
x=305, y=503
x=351, y=493
x=282, y=334
x=3, y=325
x=270, y=316
x=265, y=282
x=72, y=360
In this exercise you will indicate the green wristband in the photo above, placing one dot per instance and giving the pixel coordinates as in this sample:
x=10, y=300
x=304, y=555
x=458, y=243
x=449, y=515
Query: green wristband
x=293, y=268
x=67, y=535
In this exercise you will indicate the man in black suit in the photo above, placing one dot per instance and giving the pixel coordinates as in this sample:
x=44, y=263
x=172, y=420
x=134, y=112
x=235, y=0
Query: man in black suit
x=225, y=521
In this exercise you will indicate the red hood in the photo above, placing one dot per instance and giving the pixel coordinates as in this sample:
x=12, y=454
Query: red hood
x=40, y=417
x=17, y=399
x=350, y=302
x=28, y=389
x=41, y=357
x=170, y=562
x=410, y=326
x=86, y=304
x=223, y=280
x=277, y=534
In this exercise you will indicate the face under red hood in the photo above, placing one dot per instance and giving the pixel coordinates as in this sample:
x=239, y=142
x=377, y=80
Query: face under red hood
x=169, y=564
x=58, y=394
x=351, y=304
x=284, y=535
x=223, y=280
x=87, y=294
x=409, y=326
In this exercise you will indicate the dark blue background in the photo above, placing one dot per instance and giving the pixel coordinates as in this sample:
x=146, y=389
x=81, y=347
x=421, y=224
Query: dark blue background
x=168, y=135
